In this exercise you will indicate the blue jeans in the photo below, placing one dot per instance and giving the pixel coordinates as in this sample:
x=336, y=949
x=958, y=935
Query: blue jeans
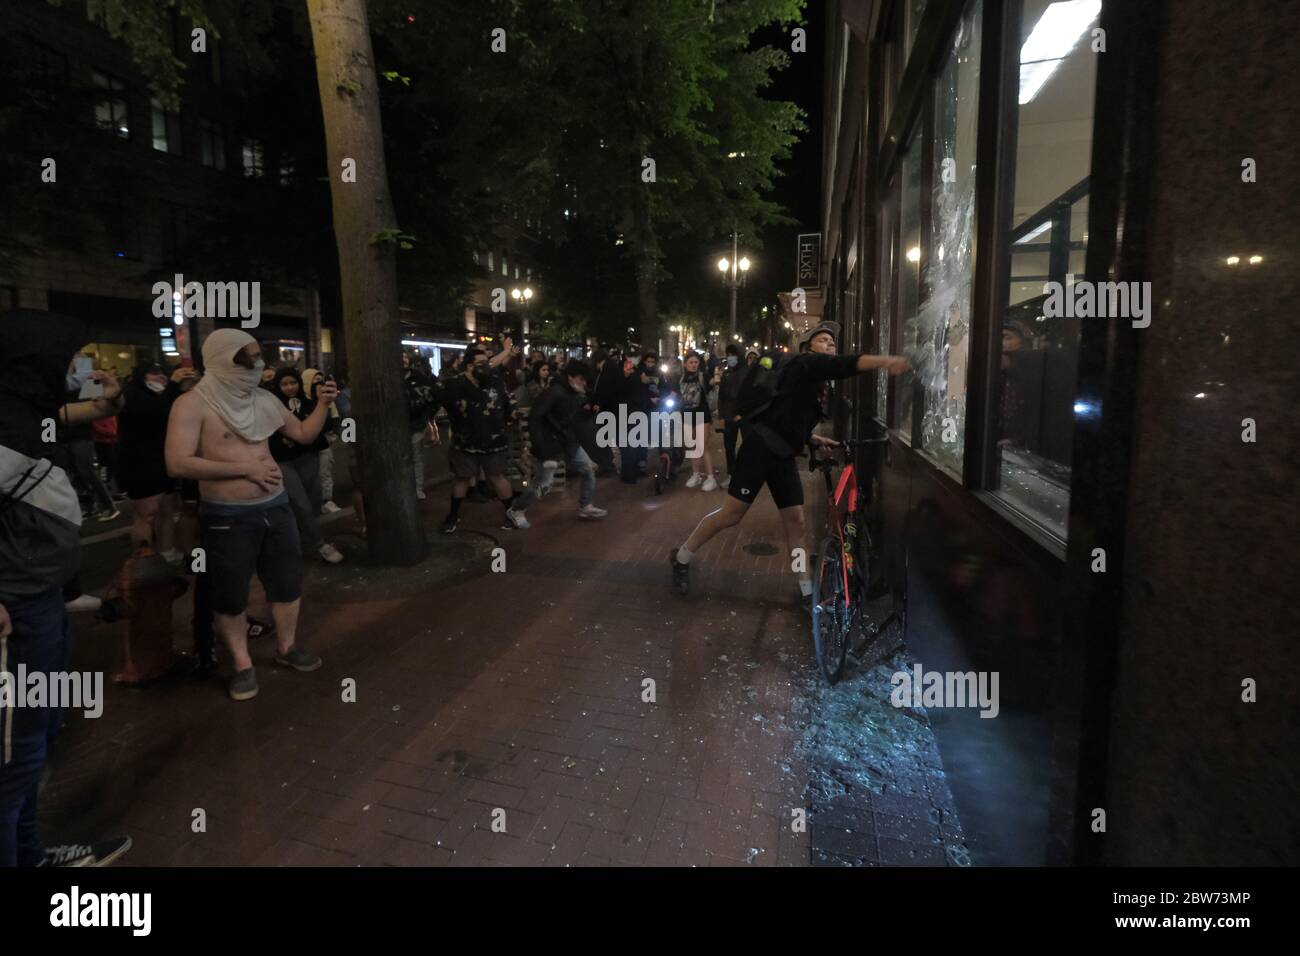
x=579, y=463
x=40, y=641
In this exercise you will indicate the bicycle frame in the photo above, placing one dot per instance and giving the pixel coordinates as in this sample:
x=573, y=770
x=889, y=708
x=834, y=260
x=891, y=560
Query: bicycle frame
x=841, y=508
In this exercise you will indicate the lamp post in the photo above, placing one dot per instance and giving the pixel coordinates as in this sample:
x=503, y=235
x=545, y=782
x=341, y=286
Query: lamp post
x=733, y=274
x=522, y=297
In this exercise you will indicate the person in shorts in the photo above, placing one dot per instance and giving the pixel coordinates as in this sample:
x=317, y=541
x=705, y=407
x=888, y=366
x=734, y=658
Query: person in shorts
x=774, y=438
x=478, y=406
x=217, y=434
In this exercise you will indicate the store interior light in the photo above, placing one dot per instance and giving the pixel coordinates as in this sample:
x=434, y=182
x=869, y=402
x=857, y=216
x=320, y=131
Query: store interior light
x=1051, y=40
x=1034, y=234
x=914, y=254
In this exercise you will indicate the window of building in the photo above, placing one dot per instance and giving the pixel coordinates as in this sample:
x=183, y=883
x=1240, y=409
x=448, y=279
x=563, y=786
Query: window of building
x=175, y=228
x=212, y=142
x=1047, y=240
x=111, y=104
x=505, y=270
x=288, y=169
x=943, y=321
x=123, y=231
x=253, y=159
x=166, y=128
x=885, y=284
x=491, y=262
x=913, y=11
x=214, y=58
x=908, y=299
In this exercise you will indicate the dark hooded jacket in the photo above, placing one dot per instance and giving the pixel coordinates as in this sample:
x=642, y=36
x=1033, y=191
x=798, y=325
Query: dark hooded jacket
x=301, y=407
x=142, y=424
x=40, y=518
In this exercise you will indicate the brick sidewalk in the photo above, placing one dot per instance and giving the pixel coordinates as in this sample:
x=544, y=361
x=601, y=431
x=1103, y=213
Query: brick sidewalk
x=513, y=697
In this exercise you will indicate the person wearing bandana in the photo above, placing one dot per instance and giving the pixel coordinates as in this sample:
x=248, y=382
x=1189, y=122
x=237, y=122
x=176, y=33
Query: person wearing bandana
x=40, y=552
x=217, y=435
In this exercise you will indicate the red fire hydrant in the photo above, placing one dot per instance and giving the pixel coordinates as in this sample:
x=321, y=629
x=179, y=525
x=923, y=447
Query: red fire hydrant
x=142, y=593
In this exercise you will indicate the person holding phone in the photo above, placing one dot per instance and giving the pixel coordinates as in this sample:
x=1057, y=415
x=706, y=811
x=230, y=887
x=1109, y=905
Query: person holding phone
x=76, y=446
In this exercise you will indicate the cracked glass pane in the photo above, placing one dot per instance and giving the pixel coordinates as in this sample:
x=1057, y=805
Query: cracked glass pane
x=943, y=322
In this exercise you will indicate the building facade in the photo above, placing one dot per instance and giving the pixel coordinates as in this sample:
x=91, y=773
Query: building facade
x=1056, y=210
x=157, y=182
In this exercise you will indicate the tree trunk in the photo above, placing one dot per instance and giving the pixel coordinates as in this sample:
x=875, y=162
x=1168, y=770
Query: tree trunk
x=363, y=209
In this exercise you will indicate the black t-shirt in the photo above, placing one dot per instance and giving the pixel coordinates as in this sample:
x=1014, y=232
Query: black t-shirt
x=797, y=407
x=479, y=413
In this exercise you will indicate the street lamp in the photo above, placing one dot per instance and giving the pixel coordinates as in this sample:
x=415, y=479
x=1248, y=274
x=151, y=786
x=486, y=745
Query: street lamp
x=522, y=297
x=733, y=274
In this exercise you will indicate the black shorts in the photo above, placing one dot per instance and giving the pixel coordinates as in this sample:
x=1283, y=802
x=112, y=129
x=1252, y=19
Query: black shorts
x=238, y=542
x=756, y=466
x=466, y=464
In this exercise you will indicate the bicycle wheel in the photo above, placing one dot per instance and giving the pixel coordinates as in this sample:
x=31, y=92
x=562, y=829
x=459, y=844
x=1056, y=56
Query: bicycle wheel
x=830, y=615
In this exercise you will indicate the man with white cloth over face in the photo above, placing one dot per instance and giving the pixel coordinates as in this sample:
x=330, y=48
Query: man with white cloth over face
x=217, y=435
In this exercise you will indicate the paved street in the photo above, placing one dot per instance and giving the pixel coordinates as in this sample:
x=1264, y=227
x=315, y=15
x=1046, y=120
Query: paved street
x=516, y=699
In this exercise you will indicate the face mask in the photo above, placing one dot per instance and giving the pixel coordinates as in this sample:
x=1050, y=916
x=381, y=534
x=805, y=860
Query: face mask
x=155, y=387
x=259, y=364
x=732, y=361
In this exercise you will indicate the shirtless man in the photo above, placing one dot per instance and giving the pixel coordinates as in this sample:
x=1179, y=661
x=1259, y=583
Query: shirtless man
x=217, y=435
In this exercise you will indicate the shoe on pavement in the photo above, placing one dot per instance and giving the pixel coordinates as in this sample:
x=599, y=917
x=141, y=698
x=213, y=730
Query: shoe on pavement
x=591, y=511
x=710, y=484
x=243, y=686
x=171, y=556
x=330, y=508
x=81, y=854
x=419, y=494
x=516, y=520
x=330, y=554
x=450, y=524
x=681, y=574
x=695, y=480
x=83, y=602
x=107, y=514
x=299, y=659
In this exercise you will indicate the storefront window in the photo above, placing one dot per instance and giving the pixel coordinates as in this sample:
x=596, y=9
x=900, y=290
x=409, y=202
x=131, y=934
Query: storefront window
x=943, y=322
x=909, y=278
x=885, y=305
x=1047, y=240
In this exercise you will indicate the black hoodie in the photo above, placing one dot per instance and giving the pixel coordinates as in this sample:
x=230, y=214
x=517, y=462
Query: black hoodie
x=286, y=449
x=40, y=519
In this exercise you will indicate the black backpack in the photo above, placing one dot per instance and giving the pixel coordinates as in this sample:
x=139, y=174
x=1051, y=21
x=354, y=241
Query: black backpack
x=759, y=386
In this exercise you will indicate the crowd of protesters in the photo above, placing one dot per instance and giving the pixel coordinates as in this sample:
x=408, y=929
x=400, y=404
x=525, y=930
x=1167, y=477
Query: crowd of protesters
x=245, y=453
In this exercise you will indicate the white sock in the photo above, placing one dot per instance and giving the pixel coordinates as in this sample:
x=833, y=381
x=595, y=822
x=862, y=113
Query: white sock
x=805, y=586
x=683, y=556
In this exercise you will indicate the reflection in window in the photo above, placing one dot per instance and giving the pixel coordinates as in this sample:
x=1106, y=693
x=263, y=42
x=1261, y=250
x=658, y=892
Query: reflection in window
x=1047, y=240
x=909, y=279
x=212, y=144
x=943, y=323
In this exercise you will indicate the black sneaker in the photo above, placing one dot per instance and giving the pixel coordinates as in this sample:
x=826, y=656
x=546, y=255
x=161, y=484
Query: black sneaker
x=449, y=525
x=681, y=574
x=74, y=854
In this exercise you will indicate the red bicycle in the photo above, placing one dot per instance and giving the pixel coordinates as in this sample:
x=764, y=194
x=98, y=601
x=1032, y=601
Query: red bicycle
x=842, y=577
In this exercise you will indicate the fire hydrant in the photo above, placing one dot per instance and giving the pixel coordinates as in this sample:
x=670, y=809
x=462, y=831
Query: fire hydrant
x=142, y=592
